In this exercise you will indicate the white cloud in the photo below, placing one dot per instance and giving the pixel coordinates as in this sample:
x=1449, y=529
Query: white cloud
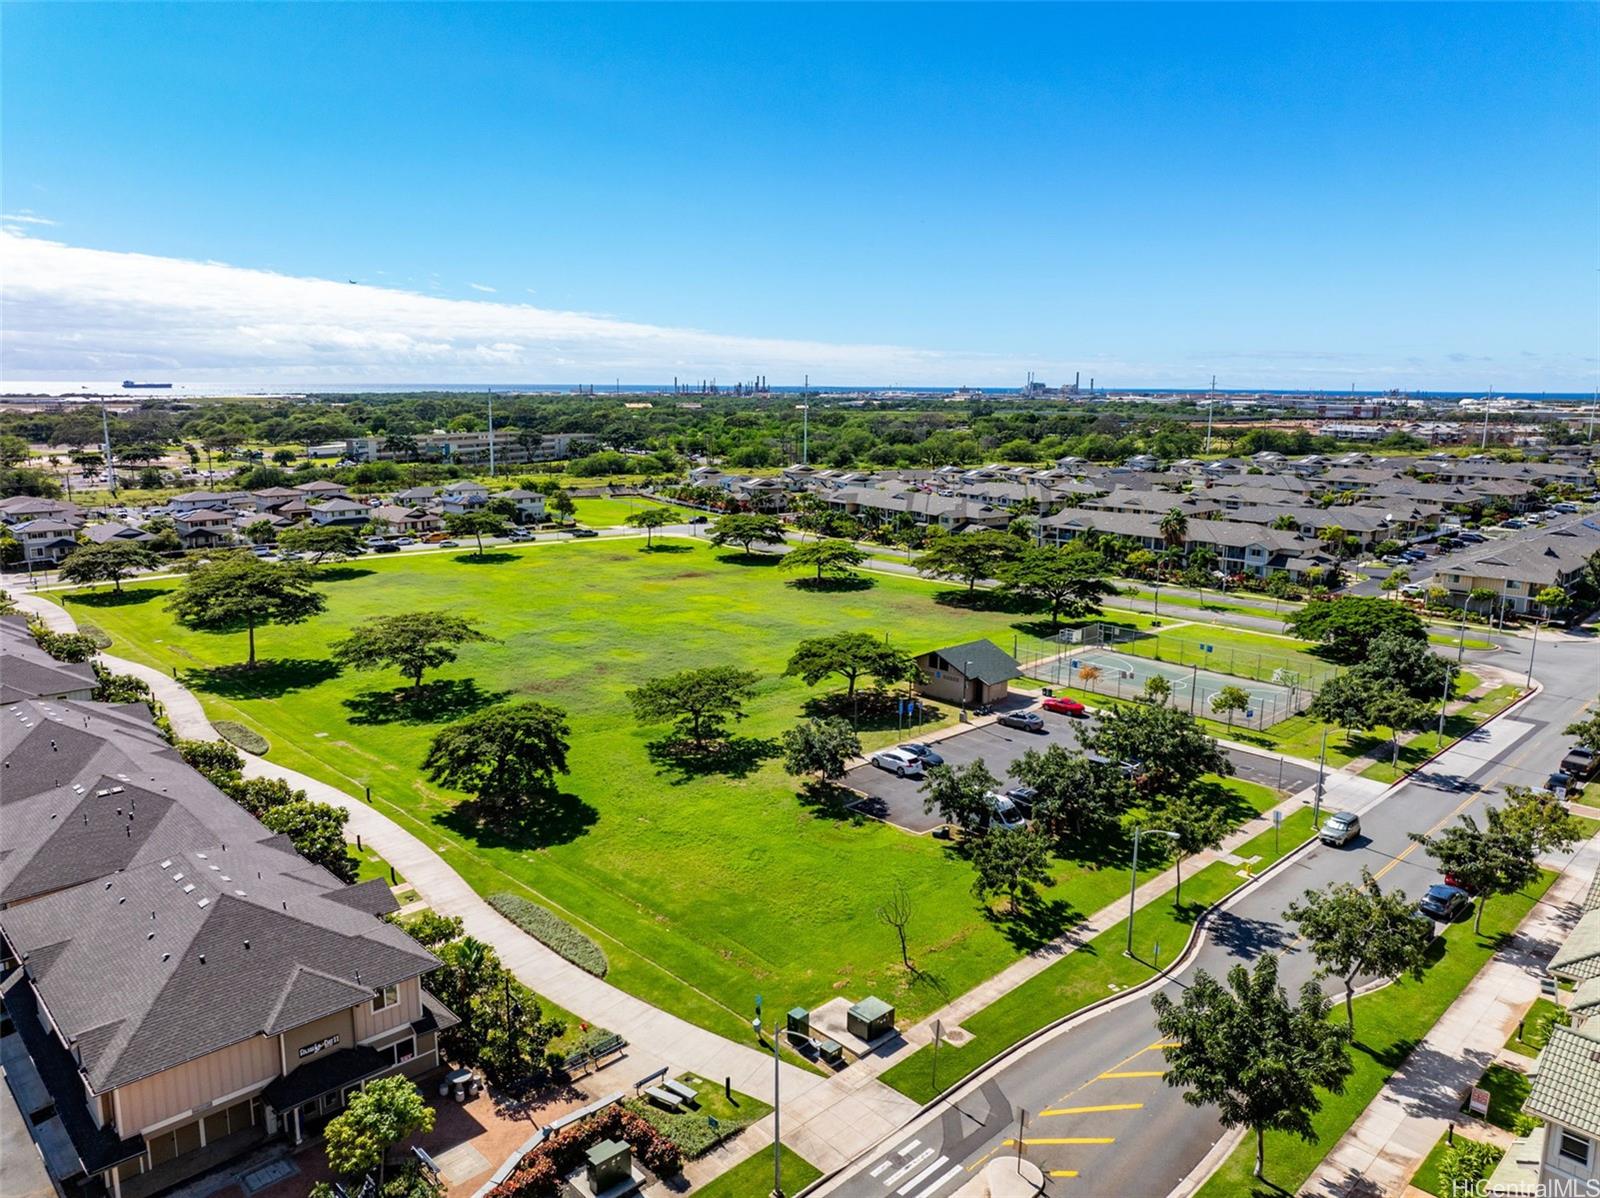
x=25, y=217
x=75, y=313
x=483, y=287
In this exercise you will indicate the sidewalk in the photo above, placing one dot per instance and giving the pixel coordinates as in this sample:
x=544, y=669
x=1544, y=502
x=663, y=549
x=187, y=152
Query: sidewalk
x=1390, y=1140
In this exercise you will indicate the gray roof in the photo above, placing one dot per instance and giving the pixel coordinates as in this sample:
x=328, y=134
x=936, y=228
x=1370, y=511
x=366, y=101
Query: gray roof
x=132, y=966
x=1579, y=955
x=1567, y=1088
x=114, y=531
x=30, y=672
x=987, y=662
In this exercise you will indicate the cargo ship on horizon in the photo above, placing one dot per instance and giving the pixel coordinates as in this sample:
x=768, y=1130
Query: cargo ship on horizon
x=130, y=384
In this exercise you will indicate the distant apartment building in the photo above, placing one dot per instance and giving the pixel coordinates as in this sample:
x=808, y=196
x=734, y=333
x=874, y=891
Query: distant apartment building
x=510, y=447
x=1515, y=571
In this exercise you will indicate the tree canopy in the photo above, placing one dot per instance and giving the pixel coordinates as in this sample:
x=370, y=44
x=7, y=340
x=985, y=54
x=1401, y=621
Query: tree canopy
x=239, y=593
x=411, y=642
x=650, y=519
x=701, y=701
x=1070, y=579
x=822, y=747
x=960, y=793
x=321, y=541
x=380, y=1115
x=1075, y=793
x=1496, y=858
x=1010, y=861
x=476, y=524
x=851, y=655
x=1361, y=932
x=834, y=557
x=507, y=757
x=969, y=557
x=317, y=831
x=747, y=530
x=1166, y=748
x=110, y=561
x=1347, y=627
x=1247, y=1050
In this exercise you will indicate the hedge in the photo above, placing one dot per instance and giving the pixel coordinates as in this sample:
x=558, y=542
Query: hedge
x=538, y=1174
x=555, y=933
x=241, y=737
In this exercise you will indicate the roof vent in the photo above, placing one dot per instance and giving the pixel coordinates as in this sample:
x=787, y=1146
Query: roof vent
x=149, y=935
x=166, y=956
x=188, y=888
x=246, y=946
x=202, y=958
x=205, y=902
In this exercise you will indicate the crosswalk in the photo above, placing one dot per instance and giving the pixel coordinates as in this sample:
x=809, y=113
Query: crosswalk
x=914, y=1171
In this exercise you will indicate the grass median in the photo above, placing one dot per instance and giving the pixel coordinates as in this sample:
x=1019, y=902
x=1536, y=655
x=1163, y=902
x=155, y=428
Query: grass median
x=1093, y=970
x=1389, y=1024
x=753, y=1175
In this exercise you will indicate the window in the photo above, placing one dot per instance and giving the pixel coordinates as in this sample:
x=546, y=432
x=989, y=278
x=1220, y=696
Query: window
x=386, y=998
x=403, y=1050
x=1574, y=1147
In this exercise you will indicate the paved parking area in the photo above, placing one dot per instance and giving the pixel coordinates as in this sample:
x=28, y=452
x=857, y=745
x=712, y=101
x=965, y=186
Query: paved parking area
x=899, y=800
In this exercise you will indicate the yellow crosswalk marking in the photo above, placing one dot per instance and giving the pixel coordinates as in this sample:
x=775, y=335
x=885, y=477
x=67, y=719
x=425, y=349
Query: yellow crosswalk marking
x=1093, y=1110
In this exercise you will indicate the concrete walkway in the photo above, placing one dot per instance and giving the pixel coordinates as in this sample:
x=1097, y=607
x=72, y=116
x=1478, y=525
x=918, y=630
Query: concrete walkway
x=1390, y=1140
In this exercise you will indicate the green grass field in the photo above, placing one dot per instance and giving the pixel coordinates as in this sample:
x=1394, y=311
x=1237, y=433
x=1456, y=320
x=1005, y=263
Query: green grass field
x=1389, y=1023
x=705, y=889
x=753, y=1175
x=1536, y=1025
x=1426, y=1177
x=607, y=513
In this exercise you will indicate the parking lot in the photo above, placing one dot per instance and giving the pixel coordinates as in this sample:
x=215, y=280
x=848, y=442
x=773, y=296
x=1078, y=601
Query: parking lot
x=899, y=801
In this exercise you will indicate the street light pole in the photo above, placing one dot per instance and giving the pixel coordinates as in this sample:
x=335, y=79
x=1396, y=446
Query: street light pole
x=777, y=1136
x=965, y=677
x=1133, y=878
x=1532, y=649
x=1322, y=763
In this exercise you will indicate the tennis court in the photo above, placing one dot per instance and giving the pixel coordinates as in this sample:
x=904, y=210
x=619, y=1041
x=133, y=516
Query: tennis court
x=1103, y=671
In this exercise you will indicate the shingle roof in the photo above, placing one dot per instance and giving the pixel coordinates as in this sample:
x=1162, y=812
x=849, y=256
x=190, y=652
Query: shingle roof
x=1567, y=1088
x=1579, y=955
x=985, y=660
x=30, y=672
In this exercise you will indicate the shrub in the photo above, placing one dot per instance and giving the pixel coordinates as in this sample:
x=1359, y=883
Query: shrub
x=555, y=933
x=247, y=739
x=64, y=646
x=1466, y=1164
x=211, y=757
x=539, y=1173
x=689, y=1130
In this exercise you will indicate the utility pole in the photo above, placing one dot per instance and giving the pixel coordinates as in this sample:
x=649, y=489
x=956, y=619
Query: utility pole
x=491, y=432
x=111, y=464
x=1483, y=441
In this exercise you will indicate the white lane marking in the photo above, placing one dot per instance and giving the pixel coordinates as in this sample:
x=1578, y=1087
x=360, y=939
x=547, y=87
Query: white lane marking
x=908, y=1147
x=926, y=1190
x=921, y=1177
x=889, y=1182
x=882, y=1165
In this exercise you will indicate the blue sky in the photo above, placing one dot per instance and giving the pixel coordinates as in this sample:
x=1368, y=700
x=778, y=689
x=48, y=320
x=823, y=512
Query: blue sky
x=1278, y=194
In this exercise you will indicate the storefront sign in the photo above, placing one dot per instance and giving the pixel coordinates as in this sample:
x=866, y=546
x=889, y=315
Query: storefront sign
x=316, y=1046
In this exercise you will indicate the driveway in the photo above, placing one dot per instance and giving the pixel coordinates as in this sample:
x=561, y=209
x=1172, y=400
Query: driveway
x=898, y=801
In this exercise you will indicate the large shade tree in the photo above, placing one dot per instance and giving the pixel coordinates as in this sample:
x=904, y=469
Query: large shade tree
x=851, y=656
x=111, y=561
x=240, y=593
x=1258, y=1058
x=1070, y=580
x=507, y=757
x=835, y=558
x=747, y=530
x=411, y=642
x=477, y=524
x=321, y=542
x=968, y=557
x=700, y=702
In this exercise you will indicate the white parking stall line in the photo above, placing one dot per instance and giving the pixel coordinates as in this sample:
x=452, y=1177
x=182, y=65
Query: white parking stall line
x=890, y=1181
x=921, y=1177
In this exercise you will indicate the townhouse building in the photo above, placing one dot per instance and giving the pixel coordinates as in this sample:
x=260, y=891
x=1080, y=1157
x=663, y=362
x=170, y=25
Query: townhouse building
x=45, y=541
x=1517, y=570
x=179, y=985
x=467, y=448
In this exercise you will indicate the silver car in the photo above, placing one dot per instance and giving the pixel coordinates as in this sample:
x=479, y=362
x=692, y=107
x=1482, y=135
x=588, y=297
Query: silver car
x=1340, y=829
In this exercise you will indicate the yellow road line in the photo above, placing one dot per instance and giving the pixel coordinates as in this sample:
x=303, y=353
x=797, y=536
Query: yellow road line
x=1162, y=1044
x=1133, y=1073
x=1028, y=1143
x=1063, y=1173
x=1092, y=1110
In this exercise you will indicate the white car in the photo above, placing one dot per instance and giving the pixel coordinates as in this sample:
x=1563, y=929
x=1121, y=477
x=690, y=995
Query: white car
x=898, y=762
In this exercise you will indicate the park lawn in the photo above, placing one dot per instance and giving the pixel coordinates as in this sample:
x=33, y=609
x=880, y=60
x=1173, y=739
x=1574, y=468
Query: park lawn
x=1455, y=640
x=1093, y=971
x=704, y=889
x=370, y=865
x=1536, y=1025
x=607, y=512
x=753, y=1175
x=1213, y=601
x=1389, y=1023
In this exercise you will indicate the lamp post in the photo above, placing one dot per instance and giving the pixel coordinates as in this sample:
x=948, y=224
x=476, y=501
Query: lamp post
x=1133, y=878
x=777, y=1137
x=965, y=682
x=1322, y=763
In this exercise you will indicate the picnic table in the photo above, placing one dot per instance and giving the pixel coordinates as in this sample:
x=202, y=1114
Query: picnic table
x=684, y=1091
x=664, y=1097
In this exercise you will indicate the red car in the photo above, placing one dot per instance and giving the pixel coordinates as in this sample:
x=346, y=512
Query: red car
x=1064, y=706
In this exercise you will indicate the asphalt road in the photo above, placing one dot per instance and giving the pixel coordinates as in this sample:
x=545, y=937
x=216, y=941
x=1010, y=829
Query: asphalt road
x=1100, y=1119
x=899, y=800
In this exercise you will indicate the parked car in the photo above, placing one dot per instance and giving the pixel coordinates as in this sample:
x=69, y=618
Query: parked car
x=376, y=541
x=1513, y=524
x=433, y=538
x=1023, y=721
x=1391, y=559
x=386, y=547
x=1022, y=798
x=1472, y=538
x=697, y=519
x=1003, y=813
x=521, y=534
x=1558, y=784
x=1444, y=902
x=1340, y=829
x=293, y=557
x=898, y=762
x=1579, y=762
x=448, y=544
x=584, y=532
x=1565, y=508
x=1062, y=705
x=923, y=753
x=405, y=540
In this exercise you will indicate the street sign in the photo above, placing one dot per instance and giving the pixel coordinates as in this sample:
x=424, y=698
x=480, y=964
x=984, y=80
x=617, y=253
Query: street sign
x=1277, y=819
x=1478, y=1104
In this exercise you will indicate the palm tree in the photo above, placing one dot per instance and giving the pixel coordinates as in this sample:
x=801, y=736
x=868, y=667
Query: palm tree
x=1285, y=523
x=1175, y=528
x=1334, y=539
